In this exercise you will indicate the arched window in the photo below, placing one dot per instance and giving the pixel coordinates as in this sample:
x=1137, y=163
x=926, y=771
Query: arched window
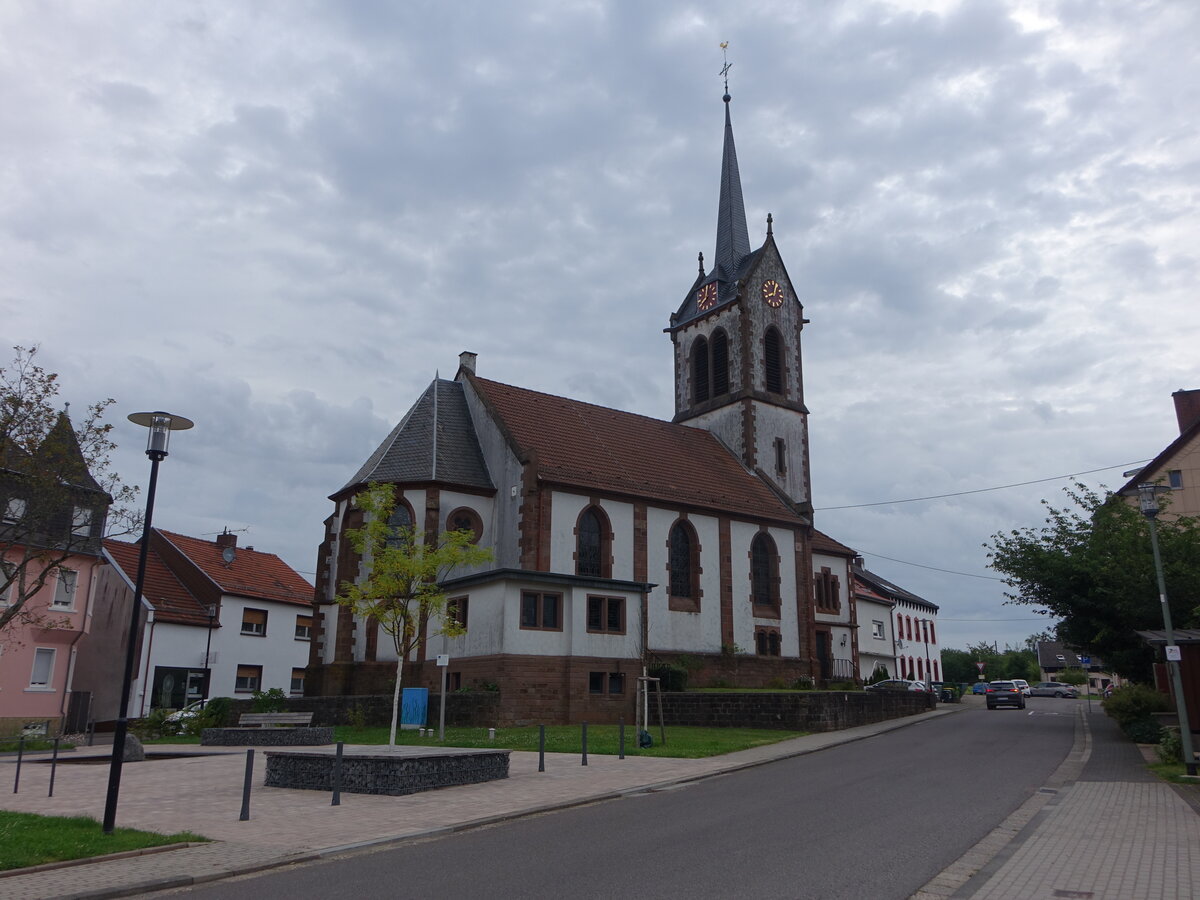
x=720, y=363
x=682, y=562
x=465, y=519
x=764, y=571
x=400, y=524
x=592, y=544
x=773, y=361
x=700, y=391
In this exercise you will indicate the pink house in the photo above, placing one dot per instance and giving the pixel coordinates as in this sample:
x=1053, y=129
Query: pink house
x=50, y=549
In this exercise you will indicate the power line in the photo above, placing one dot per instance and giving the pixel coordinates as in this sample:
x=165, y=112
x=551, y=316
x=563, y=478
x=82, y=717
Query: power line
x=933, y=568
x=999, y=487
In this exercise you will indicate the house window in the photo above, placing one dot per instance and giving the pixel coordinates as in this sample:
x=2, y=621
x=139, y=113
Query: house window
x=81, y=522
x=303, y=627
x=936, y=676
x=773, y=361
x=700, y=371
x=720, y=364
x=764, y=571
x=908, y=627
x=592, y=543
x=767, y=642
x=612, y=683
x=683, y=562
x=827, y=588
x=932, y=634
x=254, y=621
x=64, y=590
x=43, y=669
x=297, y=686
x=780, y=457
x=14, y=510
x=466, y=519
x=1175, y=478
x=541, y=611
x=877, y=629
x=606, y=615
x=249, y=678
x=457, y=609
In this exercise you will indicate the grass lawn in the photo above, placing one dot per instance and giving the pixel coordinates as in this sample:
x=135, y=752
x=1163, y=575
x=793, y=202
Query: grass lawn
x=30, y=840
x=682, y=742
x=11, y=745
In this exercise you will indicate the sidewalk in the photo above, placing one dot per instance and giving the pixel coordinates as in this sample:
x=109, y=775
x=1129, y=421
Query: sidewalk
x=1025, y=857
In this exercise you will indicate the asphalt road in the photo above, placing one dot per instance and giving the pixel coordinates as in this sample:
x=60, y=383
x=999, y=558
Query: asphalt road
x=872, y=819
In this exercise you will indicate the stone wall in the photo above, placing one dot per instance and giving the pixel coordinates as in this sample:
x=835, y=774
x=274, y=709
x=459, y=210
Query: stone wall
x=477, y=709
x=302, y=736
x=800, y=711
x=391, y=774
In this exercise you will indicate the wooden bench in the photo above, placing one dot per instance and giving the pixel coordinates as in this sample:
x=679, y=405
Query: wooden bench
x=275, y=719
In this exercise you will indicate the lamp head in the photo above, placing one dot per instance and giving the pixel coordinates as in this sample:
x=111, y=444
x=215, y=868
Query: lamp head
x=1148, y=499
x=161, y=424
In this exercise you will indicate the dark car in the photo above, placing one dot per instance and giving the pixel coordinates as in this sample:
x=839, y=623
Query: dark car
x=1004, y=693
x=1052, y=689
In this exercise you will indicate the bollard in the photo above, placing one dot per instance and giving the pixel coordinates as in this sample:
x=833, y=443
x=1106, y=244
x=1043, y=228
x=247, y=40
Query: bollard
x=20, y=753
x=491, y=734
x=337, y=777
x=541, y=748
x=420, y=732
x=621, y=738
x=53, y=767
x=584, y=763
x=245, y=816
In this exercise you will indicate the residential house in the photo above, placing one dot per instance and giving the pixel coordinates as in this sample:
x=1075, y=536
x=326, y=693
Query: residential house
x=918, y=653
x=1177, y=466
x=52, y=518
x=876, y=632
x=1054, y=659
x=619, y=540
x=217, y=620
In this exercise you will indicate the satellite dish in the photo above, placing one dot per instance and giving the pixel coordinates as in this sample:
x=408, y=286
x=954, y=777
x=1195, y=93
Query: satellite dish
x=228, y=554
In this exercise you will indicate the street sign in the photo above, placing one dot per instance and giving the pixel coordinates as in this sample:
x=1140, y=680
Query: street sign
x=1086, y=660
x=443, y=659
x=1173, y=653
x=979, y=666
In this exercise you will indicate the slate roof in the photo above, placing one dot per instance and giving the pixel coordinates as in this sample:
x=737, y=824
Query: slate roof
x=172, y=602
x=888, y=589
x=251, y=574
x=60, y=452
x=733, y=239
x=596, y=448
x=1048, y=653
x=417, y=451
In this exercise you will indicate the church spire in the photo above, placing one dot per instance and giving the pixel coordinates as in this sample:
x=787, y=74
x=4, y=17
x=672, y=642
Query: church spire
x=733, y=239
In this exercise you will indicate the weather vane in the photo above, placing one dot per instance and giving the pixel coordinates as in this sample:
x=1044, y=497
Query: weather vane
x=725, y=68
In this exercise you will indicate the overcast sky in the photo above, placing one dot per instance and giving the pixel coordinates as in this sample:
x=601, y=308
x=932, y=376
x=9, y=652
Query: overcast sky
x=281, y=219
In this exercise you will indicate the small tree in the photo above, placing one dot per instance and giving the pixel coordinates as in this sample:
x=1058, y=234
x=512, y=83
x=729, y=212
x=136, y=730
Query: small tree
x=57, y=494
x=402, y=590
x=1073, y=676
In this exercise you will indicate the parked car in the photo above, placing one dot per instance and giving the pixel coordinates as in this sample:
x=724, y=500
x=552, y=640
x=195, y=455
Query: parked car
x=1004, y=693
x=896, y=684
x=181, y=716
x=1053, y=689
x=1022, y=684
x=979, y=687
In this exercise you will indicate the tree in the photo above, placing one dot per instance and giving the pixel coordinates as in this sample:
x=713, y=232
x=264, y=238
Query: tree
x=1091, y=567
x=57, y=493
x=402, y=589
x=958, y=666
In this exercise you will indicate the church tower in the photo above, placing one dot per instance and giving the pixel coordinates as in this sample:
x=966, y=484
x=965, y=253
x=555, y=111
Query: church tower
x=736, y=339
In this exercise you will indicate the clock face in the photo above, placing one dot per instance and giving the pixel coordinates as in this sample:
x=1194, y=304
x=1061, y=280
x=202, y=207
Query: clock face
x=772, y=293
x=706, y=297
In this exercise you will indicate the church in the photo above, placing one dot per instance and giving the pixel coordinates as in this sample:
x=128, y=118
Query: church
x=620, y=542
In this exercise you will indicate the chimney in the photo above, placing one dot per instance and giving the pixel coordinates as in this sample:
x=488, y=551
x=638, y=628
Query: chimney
x=466, y=360
x=1187, y=408
x=227, y=539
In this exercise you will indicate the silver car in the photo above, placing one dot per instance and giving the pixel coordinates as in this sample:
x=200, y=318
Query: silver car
x=1053, y=689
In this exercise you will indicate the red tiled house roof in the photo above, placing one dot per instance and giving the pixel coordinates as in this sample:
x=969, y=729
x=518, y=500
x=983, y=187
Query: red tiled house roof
x=592, y=447
x=823, y=543
x=252, y=573
x=172, y=602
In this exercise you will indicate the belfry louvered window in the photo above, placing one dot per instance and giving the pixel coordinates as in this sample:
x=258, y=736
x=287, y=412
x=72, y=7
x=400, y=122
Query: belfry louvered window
x=681, y=563
x=720, y=364
x=589, y=545
x=700, y=391
x=773, y=361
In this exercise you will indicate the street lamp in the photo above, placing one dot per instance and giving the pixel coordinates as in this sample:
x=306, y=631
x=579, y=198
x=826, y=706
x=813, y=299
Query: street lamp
x=161, y=425
x=212, y=614
x=1148, y=501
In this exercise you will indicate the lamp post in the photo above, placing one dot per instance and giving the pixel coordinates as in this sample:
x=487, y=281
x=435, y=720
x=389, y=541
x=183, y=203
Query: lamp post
x=212, y=614
x=161, y=425
x=1148, y=501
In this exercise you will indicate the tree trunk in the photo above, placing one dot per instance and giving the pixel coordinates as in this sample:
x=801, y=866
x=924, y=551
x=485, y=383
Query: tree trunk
x=396, y=699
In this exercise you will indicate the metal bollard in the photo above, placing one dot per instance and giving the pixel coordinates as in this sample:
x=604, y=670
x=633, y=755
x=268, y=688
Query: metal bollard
x=584, y=763
x=541, y=748
x=337, y=777
x=53, y=767
x=621, y=737
x=491, y=734
x=20, y=753
x=245, y=816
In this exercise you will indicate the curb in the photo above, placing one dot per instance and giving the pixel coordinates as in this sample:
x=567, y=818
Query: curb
x=108, y=857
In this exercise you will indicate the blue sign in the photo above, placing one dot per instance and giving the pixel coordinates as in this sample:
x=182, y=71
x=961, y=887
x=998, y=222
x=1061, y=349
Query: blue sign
x=1086, y=660
x=414, y=703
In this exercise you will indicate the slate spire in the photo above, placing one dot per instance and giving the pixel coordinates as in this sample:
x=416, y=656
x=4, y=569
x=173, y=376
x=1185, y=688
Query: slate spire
x=733, y=239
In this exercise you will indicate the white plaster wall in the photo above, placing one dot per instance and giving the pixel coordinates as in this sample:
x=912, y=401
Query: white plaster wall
x=680, y=631
x=840, y=621
x=565, y=509
x=741, y=534
x=506, y=473
x=871, y=649
x=485, y=507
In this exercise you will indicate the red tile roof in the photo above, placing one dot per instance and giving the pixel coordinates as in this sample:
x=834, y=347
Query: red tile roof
x=823, y=543
x=172, y=602
x=596, y=448
x=251, y=574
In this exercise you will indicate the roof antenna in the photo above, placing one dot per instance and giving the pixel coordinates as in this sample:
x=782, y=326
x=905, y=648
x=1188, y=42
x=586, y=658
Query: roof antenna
x=725, y=69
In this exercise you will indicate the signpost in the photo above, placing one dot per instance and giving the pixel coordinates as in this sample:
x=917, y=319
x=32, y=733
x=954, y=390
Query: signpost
x=1086, y=661
x=443, y=661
